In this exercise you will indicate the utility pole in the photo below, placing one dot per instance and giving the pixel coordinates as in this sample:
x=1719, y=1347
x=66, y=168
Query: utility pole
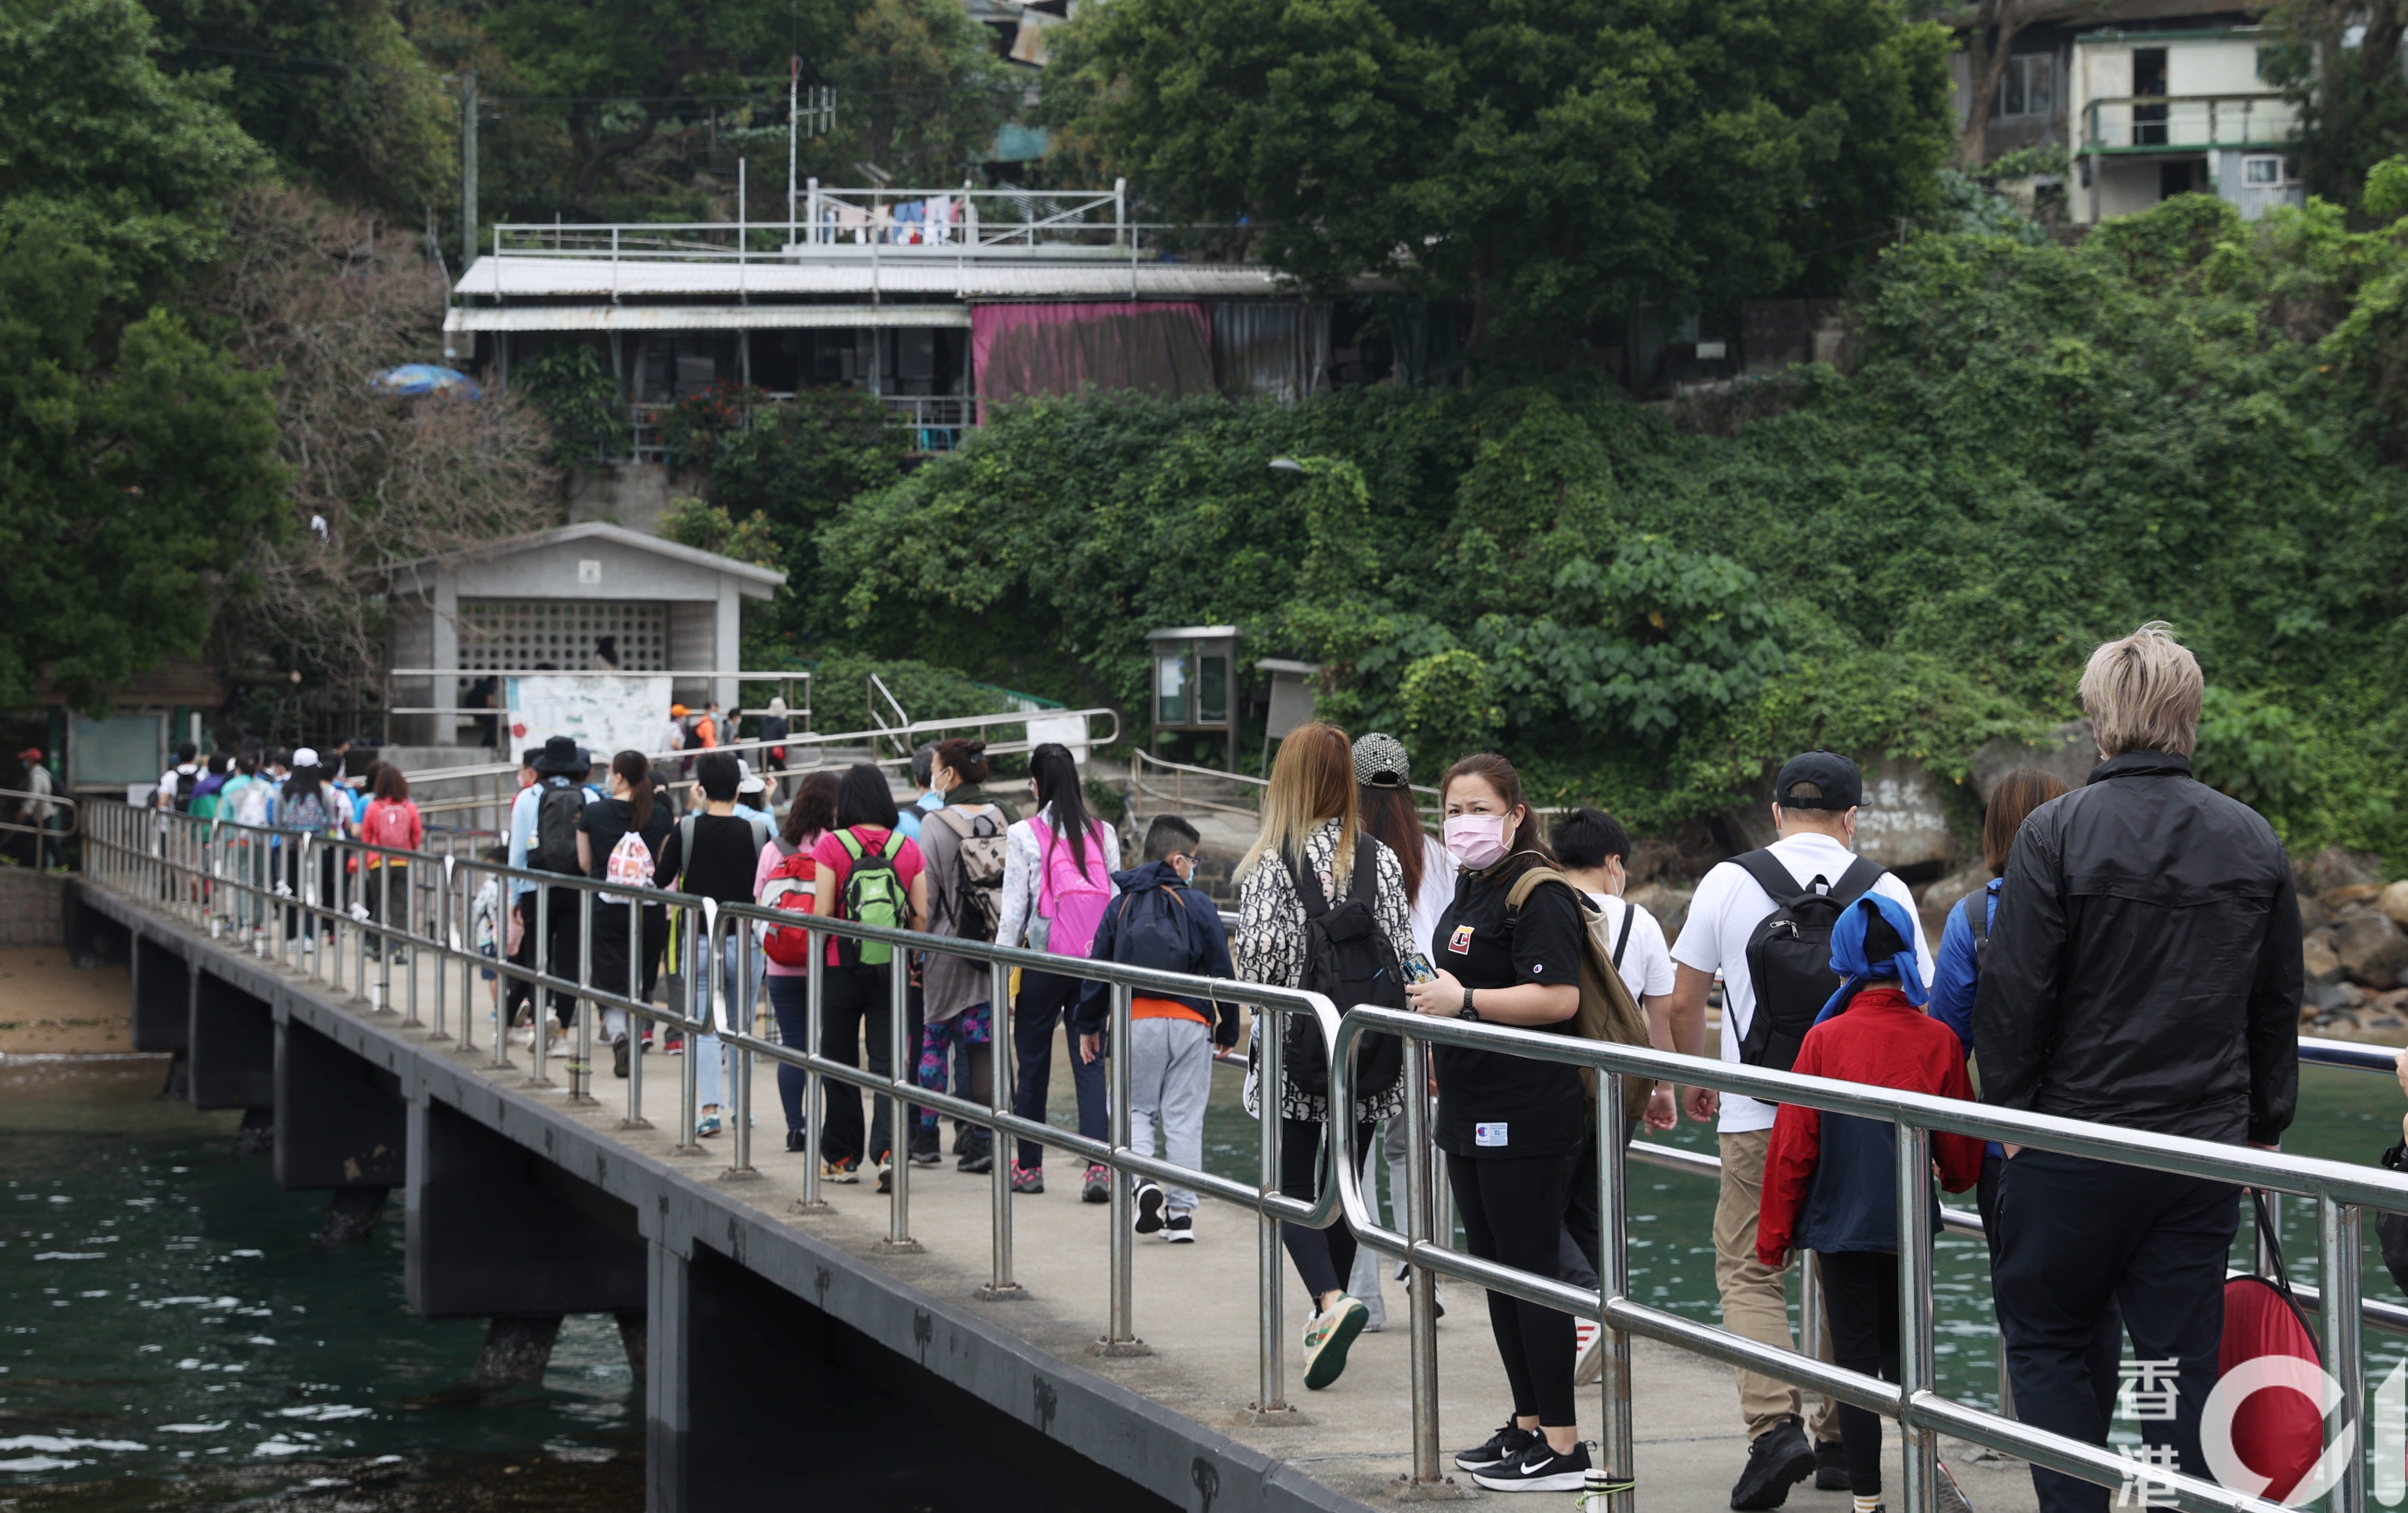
x=794, y=123
x=468, y=169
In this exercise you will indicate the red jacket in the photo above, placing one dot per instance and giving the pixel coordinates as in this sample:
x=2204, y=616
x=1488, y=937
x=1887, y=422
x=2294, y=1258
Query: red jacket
x=1830, y=1180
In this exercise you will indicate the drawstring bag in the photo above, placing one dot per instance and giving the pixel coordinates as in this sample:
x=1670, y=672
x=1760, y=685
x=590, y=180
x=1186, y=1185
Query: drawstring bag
x=2279, y=1434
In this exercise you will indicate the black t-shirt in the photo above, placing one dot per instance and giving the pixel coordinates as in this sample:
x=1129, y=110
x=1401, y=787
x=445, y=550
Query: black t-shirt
x=725, y=852
x=607, y=820
x=1496, y=1106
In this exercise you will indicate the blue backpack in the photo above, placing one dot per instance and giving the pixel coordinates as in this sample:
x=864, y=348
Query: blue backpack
x=1153, y=929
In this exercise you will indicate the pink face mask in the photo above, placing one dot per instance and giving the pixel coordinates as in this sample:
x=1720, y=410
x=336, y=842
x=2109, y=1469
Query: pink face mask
x=1477, y=840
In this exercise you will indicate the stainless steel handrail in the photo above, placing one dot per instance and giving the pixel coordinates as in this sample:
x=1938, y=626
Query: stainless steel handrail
x=45, y=829
x=2339, y=1191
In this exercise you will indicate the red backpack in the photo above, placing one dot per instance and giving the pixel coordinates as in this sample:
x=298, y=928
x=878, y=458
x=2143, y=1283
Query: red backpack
x=792, y=885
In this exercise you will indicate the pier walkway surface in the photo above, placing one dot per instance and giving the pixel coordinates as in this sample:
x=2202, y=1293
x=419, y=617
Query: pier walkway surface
x=1196, y=1306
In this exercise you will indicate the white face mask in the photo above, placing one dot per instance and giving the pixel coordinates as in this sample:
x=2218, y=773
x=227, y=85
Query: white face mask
x=1477, y=840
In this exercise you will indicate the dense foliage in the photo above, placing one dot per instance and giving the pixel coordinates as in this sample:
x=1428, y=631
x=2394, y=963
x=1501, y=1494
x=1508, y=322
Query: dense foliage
x=2182, y=415
x=1549, y=163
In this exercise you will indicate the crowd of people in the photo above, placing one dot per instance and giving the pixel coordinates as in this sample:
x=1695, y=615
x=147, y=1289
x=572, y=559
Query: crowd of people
x=2135, y=961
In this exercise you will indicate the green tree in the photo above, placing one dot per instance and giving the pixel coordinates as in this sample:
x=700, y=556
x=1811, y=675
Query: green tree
x=920, y=92
x=2339, y=61
x=333, y=88
x=1553, y=164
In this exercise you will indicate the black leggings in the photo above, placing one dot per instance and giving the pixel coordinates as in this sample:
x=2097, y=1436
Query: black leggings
x=1324, y=1257
x=1861, y=1299
x=1513, y=1213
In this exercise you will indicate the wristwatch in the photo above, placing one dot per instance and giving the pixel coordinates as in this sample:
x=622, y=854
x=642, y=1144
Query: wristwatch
x=1467, y=1011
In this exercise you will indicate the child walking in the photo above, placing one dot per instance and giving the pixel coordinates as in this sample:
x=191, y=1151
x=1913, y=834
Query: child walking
x=1160, y=922
x=1830, y=1180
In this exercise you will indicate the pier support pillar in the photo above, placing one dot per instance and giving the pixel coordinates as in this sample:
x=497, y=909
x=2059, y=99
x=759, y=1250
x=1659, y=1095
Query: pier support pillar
x=517, y=1349
x=341, y=1121
x=163, y=997
x=232, y=1046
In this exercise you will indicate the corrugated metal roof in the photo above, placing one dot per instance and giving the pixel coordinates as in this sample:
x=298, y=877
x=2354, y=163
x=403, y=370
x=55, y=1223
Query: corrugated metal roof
x=698, y=317
x=550, y=278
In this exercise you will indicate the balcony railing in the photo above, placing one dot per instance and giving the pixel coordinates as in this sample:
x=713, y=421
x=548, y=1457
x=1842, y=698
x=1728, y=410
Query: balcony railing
x=2150, y=124
x=935, y=422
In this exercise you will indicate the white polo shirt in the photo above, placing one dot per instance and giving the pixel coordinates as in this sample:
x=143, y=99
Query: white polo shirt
x=1725, y=911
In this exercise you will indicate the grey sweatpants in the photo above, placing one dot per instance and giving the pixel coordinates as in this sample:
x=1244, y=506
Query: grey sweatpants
x=1171, y=1078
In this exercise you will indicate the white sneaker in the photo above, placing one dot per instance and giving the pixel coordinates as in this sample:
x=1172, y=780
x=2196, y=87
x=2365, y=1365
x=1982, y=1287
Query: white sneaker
x=1588, y=1353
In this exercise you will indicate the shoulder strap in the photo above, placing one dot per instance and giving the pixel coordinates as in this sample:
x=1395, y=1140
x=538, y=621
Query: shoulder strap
x=1364, y=886
x=1769, y=874
x=850, y=842
x=894, y=847
x=685, y=845
x=1307, y=883
x=1621, y=937
x=1858, y=880
x=1528, y=883
x=1977, y=918
x=952, y=821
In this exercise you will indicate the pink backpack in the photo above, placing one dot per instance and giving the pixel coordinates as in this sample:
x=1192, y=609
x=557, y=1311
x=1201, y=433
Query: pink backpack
x=1070, y=903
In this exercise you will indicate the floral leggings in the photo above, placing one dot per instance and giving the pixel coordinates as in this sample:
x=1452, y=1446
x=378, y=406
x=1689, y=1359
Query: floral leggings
x=967, y=1035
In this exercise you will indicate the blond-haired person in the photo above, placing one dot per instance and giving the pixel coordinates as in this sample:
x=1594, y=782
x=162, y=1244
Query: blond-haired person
x=2143, y=972
x=1312, y=823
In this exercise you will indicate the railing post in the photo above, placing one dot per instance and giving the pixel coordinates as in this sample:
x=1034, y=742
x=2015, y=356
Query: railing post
x=2338, y=1281
x=1120, y=1335
x=814, y=971
x=1270, y=1265
x=739, y=1076
x=581, y=1054
x=1000, y=1071
x=697, y=998
x=446, y=942
x=1919, y=1446
x=384, y=932
x=411, y=916
x=899, y=1238
x=1421, y=1285
x=1611, y=1487
x=540, y=1016
x=638, y=1025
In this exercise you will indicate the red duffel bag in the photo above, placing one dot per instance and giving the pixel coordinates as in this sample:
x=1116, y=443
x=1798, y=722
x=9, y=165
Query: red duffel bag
x=2277, y=1434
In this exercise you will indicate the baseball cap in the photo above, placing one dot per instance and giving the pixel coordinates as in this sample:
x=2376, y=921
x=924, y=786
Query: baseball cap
x=747, y=781
x=1379, y=762
x=305, y=756
x=1842, y=786
x=31, y=754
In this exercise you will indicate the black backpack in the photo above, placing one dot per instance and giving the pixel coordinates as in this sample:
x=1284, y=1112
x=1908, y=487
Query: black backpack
x=557, y=815
x=1789, y=955
x=186, y=783
x=1347, y=957
x=1977, y=919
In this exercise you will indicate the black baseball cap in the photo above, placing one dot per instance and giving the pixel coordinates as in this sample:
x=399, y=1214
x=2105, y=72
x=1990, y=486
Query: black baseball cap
x=1842, y=786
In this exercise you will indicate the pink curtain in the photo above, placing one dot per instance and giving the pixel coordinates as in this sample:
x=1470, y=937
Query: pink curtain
x=1162, y=346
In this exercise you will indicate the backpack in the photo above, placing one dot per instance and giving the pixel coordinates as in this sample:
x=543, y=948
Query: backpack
x=1977, y=920
x=185, y=783
x=309, y=812
x=629, y=865
x=251, y=802
x=557, y=816
x=1068, y=928
x=1607, y=1011
x=792, y=886
x=1347, y=957
x=977, y=893
x=1789, y=954
x=388, y=826
x=1153, y=929
x=873, y=894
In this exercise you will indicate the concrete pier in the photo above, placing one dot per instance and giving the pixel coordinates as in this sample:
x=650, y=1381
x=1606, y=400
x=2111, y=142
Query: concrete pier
x=751, y=1323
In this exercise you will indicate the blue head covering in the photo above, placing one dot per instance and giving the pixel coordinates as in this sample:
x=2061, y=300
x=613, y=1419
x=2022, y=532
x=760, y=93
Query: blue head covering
x=1874, y=939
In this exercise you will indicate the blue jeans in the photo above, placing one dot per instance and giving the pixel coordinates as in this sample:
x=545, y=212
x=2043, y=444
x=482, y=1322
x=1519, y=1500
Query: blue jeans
x=790, y=1000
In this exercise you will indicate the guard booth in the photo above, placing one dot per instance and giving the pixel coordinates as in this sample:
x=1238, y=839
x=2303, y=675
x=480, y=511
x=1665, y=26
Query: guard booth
x=1194, y=689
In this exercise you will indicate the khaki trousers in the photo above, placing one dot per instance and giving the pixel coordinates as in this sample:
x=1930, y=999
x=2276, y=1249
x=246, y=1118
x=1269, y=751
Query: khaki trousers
x=1756, y=1302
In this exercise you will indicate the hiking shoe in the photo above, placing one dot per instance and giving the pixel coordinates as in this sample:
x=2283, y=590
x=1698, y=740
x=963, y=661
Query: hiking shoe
x=1180, y=1229
x=927, y=1155
x=977, y=1163
x=1506, y=1444
x=1031, y=1180
x=1588, y=1353
x=619, y=1059
x=1779, y=1459
x=707, y=1126
x=886, y=1178
x=1098, y=1186
x=1830, y=1466
x=1539, y=1469
x=677, y=1045
x=1326, y=1339
x=1149, y=1207
x=843, y=1169
x=797, y=1141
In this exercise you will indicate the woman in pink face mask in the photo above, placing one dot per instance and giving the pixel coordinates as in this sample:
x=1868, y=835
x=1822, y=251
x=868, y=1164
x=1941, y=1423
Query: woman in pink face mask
x=1510, y=1127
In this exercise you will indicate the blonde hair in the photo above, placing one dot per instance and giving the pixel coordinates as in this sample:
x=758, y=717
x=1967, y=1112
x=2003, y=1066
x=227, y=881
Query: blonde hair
x=2142, y=693
x=1312, y=782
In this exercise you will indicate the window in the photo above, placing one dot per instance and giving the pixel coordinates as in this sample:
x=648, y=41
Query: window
x=2262, y=172
x=2027, y=87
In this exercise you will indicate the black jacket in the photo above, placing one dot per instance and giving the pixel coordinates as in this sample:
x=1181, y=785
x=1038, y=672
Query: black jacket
x=2145, y=968
x=1095, y=1004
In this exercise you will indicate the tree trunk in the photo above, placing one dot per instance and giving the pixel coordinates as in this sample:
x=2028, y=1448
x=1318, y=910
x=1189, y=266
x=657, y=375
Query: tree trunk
x=1988, y=44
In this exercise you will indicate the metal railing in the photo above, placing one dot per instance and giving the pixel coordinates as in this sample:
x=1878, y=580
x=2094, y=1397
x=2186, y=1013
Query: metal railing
x=14, y=802
x=299, y=899
x=2142, y=123
x=2339, y=1191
